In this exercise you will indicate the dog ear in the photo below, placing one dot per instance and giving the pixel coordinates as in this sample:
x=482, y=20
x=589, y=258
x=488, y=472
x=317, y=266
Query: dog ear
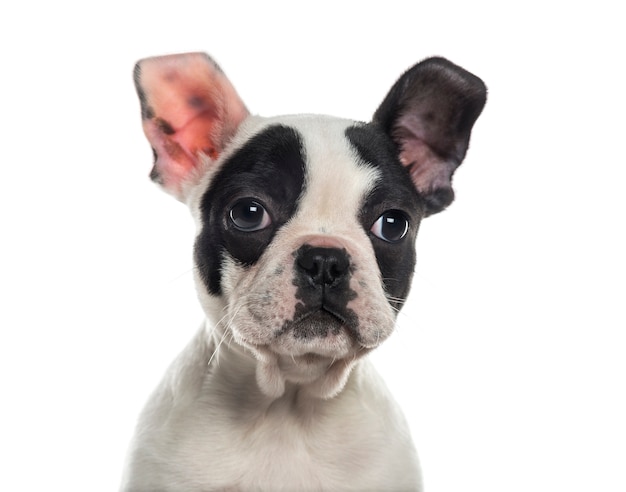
x=190, y=111
x=429, y=113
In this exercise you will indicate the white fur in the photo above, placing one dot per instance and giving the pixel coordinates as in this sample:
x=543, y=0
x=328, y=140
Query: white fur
x=240, y=410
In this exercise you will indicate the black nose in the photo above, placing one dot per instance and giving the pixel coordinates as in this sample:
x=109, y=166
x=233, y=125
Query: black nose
x=323, y=266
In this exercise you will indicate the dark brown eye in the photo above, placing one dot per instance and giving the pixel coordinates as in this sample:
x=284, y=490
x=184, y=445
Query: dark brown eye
x=248, y=215
x=392, y=226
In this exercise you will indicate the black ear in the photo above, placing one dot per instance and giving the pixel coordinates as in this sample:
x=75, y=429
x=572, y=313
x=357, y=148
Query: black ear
x=429, y=113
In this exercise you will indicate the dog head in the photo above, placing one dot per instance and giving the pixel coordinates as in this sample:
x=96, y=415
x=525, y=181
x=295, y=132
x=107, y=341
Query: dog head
x=306, y=224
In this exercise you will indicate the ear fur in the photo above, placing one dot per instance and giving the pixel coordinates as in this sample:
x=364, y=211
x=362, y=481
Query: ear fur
x=190, y=111
x=429, y=113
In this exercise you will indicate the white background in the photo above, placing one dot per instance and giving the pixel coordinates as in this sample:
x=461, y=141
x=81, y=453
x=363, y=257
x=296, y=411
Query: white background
x=509, y=359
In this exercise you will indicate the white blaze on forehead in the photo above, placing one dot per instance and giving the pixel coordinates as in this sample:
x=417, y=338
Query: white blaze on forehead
x=337, y=180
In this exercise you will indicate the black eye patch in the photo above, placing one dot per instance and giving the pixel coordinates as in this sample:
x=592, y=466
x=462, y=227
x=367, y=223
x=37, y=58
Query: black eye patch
x=267, y=172
x=392, y=211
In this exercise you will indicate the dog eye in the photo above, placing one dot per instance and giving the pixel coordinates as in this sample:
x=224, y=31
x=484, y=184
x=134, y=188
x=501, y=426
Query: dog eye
x=391, y=226
x=248, y=215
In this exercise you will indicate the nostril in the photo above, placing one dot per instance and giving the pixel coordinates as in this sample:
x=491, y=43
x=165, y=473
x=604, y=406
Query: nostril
x=307, y=262
x=340, y=262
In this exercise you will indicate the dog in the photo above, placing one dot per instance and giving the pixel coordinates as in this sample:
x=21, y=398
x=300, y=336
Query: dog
x=304, y=255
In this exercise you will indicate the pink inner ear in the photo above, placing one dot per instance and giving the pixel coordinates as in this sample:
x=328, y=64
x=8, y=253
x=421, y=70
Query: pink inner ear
x=192, y=110
x=429, y=172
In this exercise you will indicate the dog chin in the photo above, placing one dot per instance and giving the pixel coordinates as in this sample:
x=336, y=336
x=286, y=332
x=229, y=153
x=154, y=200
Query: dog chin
x=318, y=365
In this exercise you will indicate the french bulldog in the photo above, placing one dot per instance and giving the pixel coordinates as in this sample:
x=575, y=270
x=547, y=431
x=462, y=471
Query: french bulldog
x=304, y=254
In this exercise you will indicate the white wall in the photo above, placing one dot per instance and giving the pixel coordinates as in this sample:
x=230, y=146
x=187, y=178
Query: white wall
x=509, y=359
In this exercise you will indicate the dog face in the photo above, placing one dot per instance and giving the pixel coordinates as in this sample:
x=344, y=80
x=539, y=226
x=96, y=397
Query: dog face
x=309, y=243
x=306, y=224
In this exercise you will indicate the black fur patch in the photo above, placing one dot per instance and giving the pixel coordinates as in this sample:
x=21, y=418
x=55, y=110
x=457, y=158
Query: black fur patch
x=394, y=191
x=269, y=168
x=165, y=126
x=146, y=111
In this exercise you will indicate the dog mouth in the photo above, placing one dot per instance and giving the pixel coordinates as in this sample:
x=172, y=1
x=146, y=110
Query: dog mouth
x=316, y=348
x=321, y=322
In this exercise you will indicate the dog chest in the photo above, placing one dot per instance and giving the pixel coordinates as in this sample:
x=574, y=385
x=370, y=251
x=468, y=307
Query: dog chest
x=357, y=441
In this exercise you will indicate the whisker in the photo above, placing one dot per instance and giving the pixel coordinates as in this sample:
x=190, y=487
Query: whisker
x=217, y=348
x=226, y=321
